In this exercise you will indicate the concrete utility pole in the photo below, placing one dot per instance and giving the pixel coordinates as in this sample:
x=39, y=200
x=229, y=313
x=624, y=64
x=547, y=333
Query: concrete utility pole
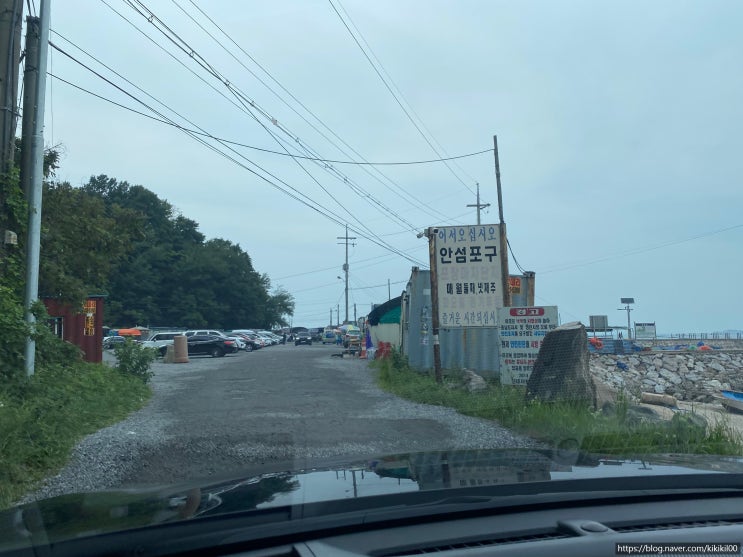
x=331, y=317
x=11, y=16
x=37, y=44
x=389, y=292
x=502, y=226
x=346, y=238
x=478, y=204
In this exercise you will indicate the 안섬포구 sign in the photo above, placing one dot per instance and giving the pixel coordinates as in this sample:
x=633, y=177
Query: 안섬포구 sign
x=469, y=275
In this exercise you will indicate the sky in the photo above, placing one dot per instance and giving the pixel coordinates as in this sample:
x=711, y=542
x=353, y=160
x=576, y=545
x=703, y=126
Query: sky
x=618, y=129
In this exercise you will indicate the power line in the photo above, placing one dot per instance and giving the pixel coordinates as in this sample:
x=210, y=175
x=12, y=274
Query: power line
x=251, y=105
x=384, y=81
x=514, y=256
x=202, y=131
x=237, y=143
x=640, y=250
x=297, y=195
x=402, y=191
x=399, y=91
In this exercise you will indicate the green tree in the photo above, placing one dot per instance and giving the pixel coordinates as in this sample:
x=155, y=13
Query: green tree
x=79, y=244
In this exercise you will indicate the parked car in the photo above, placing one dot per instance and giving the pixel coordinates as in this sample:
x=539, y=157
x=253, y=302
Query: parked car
x=110, y=342
x=258, y=342
x=328, y=336
x=249, y=343
x=213, y=332
x=352, y=338
x=267, y=337
x=240, y=341
x=303, y=337
x=214, y=345
x=160, y=341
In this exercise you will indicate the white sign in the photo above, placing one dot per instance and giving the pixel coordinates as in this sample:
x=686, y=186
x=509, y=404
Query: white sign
x=469, y=275
x=644, y=330
x=521, y=331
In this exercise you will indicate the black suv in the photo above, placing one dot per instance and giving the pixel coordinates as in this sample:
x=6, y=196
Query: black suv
x=210, y=345
x=302, y=337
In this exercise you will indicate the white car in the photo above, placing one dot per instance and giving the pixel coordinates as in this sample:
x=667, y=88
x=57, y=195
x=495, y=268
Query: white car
x=161, y=340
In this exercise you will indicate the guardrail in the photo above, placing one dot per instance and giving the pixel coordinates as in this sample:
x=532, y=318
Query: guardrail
x=702, y=336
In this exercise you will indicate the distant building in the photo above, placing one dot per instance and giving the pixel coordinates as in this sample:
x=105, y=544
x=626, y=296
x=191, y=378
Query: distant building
x=474, y=348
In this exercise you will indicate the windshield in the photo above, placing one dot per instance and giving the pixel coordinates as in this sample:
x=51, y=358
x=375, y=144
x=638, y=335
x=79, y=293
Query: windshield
x=511, y=228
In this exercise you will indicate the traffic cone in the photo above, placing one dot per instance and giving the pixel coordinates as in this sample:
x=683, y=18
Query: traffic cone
x=362, y=354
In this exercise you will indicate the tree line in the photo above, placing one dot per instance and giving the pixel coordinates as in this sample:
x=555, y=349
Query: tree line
x=152, y=263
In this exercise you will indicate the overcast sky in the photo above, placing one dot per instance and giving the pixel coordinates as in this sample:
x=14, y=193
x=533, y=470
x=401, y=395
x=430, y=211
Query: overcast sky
x=618, y=126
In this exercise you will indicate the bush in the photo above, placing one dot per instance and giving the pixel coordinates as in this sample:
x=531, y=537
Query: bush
x=135, y=359
x=13, y=331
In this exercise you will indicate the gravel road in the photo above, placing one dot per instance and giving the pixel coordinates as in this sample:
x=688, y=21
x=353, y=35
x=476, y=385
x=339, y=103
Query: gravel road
x=284, y=403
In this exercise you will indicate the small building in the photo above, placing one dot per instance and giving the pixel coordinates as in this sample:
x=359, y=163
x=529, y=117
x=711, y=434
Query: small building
x=384, y=322
x=82, y=327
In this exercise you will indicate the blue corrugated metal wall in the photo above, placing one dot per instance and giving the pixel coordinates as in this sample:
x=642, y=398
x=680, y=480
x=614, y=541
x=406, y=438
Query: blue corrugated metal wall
x=474, y=348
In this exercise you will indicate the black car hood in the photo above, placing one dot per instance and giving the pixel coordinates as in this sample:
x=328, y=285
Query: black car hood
x=81, y=514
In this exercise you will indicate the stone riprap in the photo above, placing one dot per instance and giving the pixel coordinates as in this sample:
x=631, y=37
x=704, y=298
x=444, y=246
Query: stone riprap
x=693, y=376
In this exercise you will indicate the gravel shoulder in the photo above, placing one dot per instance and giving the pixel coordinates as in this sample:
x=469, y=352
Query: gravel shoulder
x=219, y=416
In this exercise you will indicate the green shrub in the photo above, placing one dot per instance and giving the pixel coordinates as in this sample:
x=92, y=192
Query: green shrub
x=42, y=418
x=134, y=359
x=555, y=423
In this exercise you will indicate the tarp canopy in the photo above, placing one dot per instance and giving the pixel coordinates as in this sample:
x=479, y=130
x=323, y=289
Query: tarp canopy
x=388, y=312
x=130, y=332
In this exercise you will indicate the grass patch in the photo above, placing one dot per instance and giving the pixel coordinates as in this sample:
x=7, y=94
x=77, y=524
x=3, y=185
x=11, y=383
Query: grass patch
x=41, y=419
x=620, y=434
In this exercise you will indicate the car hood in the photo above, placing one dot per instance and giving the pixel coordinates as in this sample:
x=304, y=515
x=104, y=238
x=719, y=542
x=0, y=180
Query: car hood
x=93, y=513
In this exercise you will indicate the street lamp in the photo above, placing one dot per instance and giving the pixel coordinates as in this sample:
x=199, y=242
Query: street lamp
x=628, y=309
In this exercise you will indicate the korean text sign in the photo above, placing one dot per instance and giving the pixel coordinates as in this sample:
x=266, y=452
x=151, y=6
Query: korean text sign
x=469, y=275
x=521, y=332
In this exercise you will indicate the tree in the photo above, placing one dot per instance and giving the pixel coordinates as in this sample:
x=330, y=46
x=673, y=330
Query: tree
x=79, y=244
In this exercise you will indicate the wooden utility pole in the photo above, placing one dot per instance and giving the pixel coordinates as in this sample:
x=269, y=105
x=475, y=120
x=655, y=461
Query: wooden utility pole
x=502, y=230
x=434, y=305
x=11, y=16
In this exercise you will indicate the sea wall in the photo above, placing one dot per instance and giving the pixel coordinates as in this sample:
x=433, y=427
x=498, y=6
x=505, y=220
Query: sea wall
x=690, y=375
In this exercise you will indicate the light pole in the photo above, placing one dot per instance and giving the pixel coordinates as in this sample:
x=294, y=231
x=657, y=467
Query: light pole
x=628, y=309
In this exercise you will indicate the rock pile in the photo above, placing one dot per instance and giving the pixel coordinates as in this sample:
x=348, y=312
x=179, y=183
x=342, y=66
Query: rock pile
x=689, y=376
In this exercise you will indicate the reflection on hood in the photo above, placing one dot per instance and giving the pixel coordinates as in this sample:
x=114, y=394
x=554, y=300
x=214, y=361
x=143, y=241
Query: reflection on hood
x=94, y=513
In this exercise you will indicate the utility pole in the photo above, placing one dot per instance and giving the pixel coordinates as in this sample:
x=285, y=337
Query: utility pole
x=331, y=317
x=434, y=305
x=354, y=314
x=346, y=238
x=502, y=230
x=478, y=204
x=338, y=315
x=389, y=292
x=11, y=15
x=37, y=38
